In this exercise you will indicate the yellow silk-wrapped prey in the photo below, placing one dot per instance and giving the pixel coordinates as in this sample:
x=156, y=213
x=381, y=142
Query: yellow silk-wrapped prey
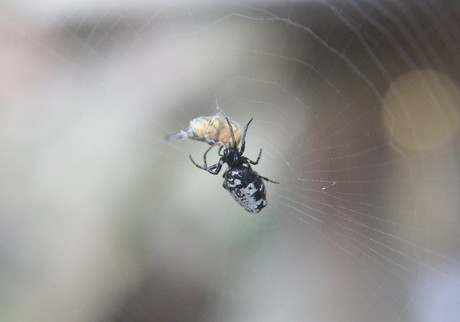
x=214, y=130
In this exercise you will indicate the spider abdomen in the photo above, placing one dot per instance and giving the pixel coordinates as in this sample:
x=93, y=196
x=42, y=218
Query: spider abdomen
x=246, y=187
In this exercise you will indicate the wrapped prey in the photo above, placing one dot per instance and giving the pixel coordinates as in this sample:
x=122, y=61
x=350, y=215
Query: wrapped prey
x=214, y=130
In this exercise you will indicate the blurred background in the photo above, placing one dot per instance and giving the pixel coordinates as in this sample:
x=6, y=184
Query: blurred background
x=355, y=105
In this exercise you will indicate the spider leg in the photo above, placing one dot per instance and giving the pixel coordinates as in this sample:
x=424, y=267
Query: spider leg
x=243, y=144
x=205, y=166
x=266, y=179
x=196, y=164
x=213, y=169
x=258, y=158
x=204, y=155
x=220, y=150
x=231, y=132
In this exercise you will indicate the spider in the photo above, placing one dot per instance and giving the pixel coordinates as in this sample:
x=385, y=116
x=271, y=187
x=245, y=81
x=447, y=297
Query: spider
x=244, y=184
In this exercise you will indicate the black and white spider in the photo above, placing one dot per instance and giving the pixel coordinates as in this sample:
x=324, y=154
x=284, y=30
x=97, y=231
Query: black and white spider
x=244, y=184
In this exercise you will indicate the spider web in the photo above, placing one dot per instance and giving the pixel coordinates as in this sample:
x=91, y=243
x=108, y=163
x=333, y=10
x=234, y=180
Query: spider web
x=356, y=108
